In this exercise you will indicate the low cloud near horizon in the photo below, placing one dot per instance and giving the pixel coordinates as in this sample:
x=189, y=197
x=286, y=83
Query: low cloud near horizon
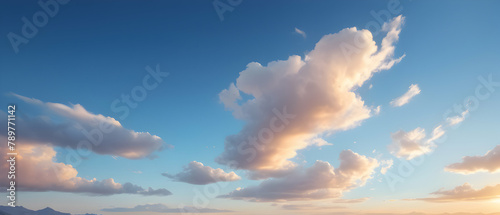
x=38, y=171
x=161, y=208
x=320, y=181
x=464, y=192
x=490, y=162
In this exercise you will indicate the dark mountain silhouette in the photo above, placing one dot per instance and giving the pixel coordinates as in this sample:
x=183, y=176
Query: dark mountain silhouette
x=20, y=210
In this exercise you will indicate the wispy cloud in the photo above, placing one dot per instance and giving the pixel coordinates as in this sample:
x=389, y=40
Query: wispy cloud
x=405, y=98
x=457, y=119
x=301, y=32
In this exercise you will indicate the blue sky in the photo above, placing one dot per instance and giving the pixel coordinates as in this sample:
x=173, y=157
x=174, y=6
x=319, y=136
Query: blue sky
x=92, y=52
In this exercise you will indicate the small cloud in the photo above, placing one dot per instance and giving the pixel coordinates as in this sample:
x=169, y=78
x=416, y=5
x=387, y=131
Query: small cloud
x=455, y=120
x=320, y=142
x=405, y=98
x=137, y=172
x=410, y=144
x=377, y=110
x=351, y=201
x=302, y=33
x=197, y=173
x=386, y=165
x=436, y=134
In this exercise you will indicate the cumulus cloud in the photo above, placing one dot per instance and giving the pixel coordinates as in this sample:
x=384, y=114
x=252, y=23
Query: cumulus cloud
x=302, y=33
x=409, y=145
x=320, y=181
x=464, y=192
x=291, y=102
x=490, y=162
x=74, y=127
x=161, y=208
x=405, y=98
x=197, y=173
x=37, y=170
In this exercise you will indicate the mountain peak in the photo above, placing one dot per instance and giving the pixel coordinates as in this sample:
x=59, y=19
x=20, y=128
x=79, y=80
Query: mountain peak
x=19, y=210
x=47, y=209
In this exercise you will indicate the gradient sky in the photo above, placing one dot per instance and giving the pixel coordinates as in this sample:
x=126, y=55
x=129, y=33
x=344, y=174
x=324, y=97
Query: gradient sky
x=92, y=52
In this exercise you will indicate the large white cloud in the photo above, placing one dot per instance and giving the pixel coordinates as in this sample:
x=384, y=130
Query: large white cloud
x=37, y=170
x=197, y=173
x=292, y=102
x=490, y=162
x=320, y=181
x=76, y=128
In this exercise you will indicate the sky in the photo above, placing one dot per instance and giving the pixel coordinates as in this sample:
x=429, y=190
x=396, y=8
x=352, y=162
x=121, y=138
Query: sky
x=355, y=107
